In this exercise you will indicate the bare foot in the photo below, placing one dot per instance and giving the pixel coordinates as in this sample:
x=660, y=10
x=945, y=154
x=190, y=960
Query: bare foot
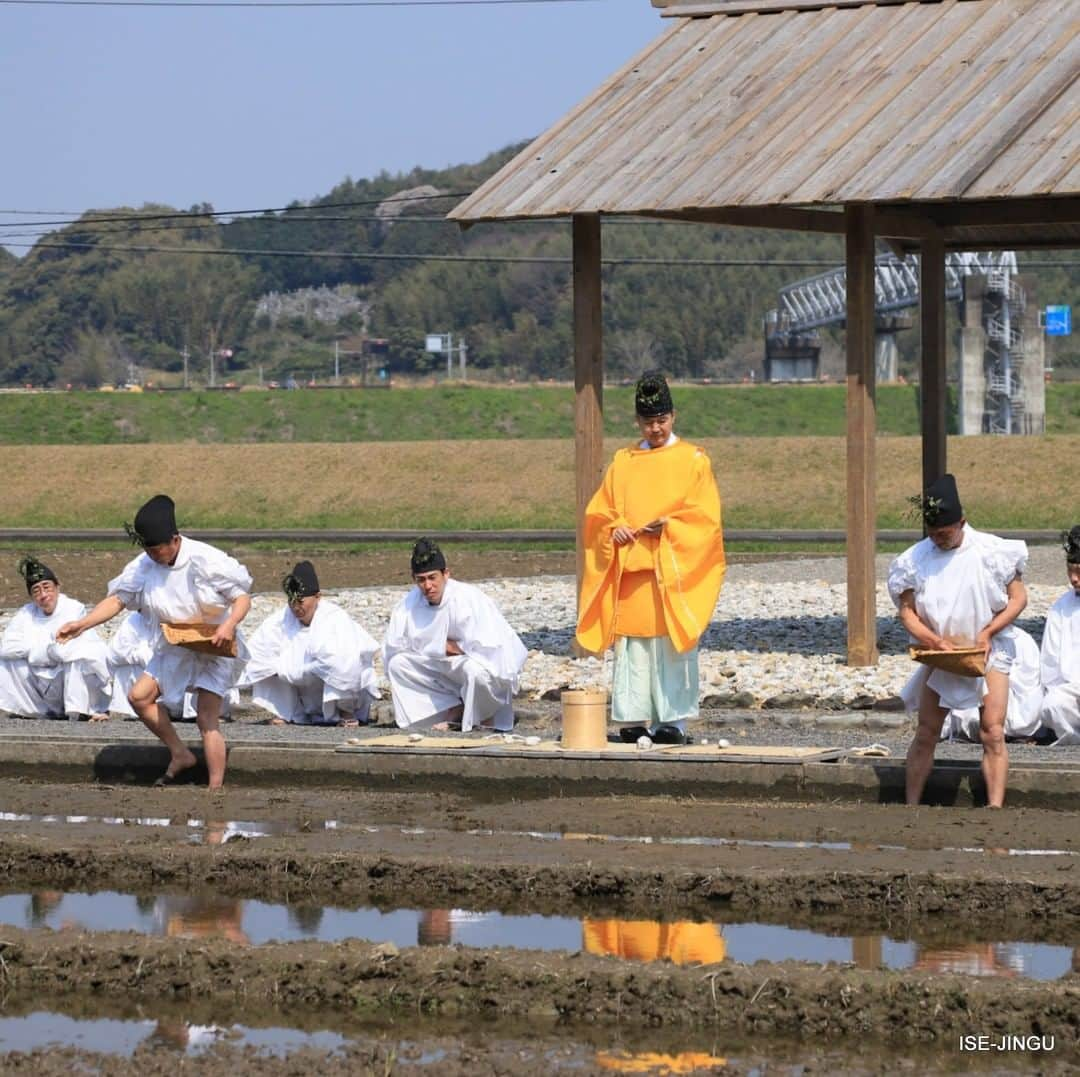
x=347, y=723
x=277, y=721
x=99, y=717
x=177, y=766
x=442, y=727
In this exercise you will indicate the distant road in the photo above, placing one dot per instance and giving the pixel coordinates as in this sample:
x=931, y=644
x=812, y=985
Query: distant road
x=109, y=535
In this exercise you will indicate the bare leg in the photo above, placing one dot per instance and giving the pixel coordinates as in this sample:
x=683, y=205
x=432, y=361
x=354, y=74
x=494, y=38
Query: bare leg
x=207, y=713
x=995, y=760
x=143, y=698
x=920, y=756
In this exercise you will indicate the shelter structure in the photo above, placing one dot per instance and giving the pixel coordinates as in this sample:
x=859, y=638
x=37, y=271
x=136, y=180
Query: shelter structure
x=932, y=125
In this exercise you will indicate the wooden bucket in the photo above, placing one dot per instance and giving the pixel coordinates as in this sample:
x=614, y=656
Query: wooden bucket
x=584, y=720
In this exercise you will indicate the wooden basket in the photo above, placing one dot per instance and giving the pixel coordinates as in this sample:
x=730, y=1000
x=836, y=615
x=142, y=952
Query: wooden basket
x=197, y=638
x=964, y=661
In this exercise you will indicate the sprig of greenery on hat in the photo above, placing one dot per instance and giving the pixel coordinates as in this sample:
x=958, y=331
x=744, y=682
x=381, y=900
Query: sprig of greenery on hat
x=925, y=508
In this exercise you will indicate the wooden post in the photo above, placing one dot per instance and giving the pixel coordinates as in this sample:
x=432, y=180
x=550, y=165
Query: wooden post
x=861, y=428
x=933, y=391
x=588, y=371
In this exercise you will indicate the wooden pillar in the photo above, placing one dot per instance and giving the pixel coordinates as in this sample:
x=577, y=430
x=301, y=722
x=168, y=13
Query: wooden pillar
x=933, y=391
x=588, y=370
x=861, y=428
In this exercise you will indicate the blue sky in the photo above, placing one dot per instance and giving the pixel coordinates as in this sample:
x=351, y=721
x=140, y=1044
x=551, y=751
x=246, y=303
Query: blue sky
x=255, y=107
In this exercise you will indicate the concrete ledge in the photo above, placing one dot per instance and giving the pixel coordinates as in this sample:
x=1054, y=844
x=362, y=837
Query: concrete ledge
x=251, y=764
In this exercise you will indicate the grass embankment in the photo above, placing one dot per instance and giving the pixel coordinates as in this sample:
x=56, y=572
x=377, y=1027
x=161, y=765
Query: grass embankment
x=793, y=482
x=450, y=413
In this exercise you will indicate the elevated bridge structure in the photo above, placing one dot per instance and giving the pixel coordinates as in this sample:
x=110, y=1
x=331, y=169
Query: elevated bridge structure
x=1002, y=391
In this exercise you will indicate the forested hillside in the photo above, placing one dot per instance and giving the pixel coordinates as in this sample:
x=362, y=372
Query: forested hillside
x=126, y=287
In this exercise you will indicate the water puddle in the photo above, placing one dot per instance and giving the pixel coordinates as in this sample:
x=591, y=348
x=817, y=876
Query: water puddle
x=212, y=832
x=760, y=843
x=43, y=1030
x=254, y=923
x=198, y=831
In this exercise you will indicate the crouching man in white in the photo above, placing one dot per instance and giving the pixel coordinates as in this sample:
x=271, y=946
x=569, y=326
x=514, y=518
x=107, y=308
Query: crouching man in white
x=1061, y=652
x=311, y=663
x=449, y=654
x=40, y=678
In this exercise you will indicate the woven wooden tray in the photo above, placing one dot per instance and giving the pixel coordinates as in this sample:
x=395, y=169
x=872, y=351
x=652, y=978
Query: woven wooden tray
x=964, y=661
x=197, y=638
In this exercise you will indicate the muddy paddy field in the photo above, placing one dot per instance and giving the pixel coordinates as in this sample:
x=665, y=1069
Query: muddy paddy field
x=292, y=930
x=483, y=928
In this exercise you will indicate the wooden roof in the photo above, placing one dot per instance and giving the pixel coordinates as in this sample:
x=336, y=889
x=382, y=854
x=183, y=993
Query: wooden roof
x=745, y=104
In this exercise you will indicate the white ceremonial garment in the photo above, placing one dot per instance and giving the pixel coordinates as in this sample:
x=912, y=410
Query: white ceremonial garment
x=130, y=652
x=198, y=588
x=42, y=678
x=958, y=593
x=1061, y=669
x=425, y=681
x=312, y=674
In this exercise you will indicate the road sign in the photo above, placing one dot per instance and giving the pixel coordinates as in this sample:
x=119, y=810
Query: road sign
x=436, y=342
x=1058, y=321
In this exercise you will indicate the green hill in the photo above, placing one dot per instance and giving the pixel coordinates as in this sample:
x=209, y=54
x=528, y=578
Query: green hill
x=124, y=288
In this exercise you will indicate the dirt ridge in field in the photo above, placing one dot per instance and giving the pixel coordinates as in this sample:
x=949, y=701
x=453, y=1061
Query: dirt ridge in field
x=381, y=980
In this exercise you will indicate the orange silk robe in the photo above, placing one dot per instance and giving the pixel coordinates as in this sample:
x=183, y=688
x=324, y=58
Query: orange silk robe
x=670, y=582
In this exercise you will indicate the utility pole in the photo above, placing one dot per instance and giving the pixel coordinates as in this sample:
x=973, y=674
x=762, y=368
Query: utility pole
x=449, y=355
x=337, y=363
x=185, y=354
x=211, y=366
x=462, y=349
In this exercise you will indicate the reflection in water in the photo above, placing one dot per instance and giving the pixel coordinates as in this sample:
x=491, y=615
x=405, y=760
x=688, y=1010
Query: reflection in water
x=683, y=942
x=657, y=1065
x=249, y=922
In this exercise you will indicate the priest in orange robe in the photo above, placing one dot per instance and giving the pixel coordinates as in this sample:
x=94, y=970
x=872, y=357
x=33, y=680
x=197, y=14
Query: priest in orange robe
x=654, y=565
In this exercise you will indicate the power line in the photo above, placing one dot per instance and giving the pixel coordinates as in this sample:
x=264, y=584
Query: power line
x=381, y=256
x=190, y=214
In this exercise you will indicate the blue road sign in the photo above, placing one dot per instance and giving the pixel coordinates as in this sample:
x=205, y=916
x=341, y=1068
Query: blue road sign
x=1058, y=321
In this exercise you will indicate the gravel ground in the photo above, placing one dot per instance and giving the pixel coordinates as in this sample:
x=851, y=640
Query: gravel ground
x=772, y=661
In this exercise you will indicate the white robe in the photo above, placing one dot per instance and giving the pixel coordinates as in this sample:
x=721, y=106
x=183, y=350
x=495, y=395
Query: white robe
x=130, y=652
x=958, y=593
x=198, y=589
x=426, y=682
x=1061, y=669
x=42, y=678
x=312, y=674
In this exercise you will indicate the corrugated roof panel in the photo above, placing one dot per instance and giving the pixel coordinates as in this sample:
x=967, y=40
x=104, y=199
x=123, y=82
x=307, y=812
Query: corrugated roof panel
x=905, y=101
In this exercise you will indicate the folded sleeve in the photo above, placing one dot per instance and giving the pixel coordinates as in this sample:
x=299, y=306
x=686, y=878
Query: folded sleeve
x=224, y=575
x=15, y=642
x=902, y=576
x=128, y=586
x=1007, y=559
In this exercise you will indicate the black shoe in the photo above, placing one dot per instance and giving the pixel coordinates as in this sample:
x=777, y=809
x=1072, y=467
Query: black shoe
x=632, y=734
x=669, y=734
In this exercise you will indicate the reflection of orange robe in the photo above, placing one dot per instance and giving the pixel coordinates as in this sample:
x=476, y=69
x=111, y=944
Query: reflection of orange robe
x=684, y=943
x=658, y=1065
x=664, y=584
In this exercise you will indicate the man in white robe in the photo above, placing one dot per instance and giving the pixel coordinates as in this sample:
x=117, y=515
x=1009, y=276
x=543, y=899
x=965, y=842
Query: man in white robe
x=960, y=587
x=1061, y=652
x=449, y=654
x=311, y=663
x=39, y=677
x=179, y=581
